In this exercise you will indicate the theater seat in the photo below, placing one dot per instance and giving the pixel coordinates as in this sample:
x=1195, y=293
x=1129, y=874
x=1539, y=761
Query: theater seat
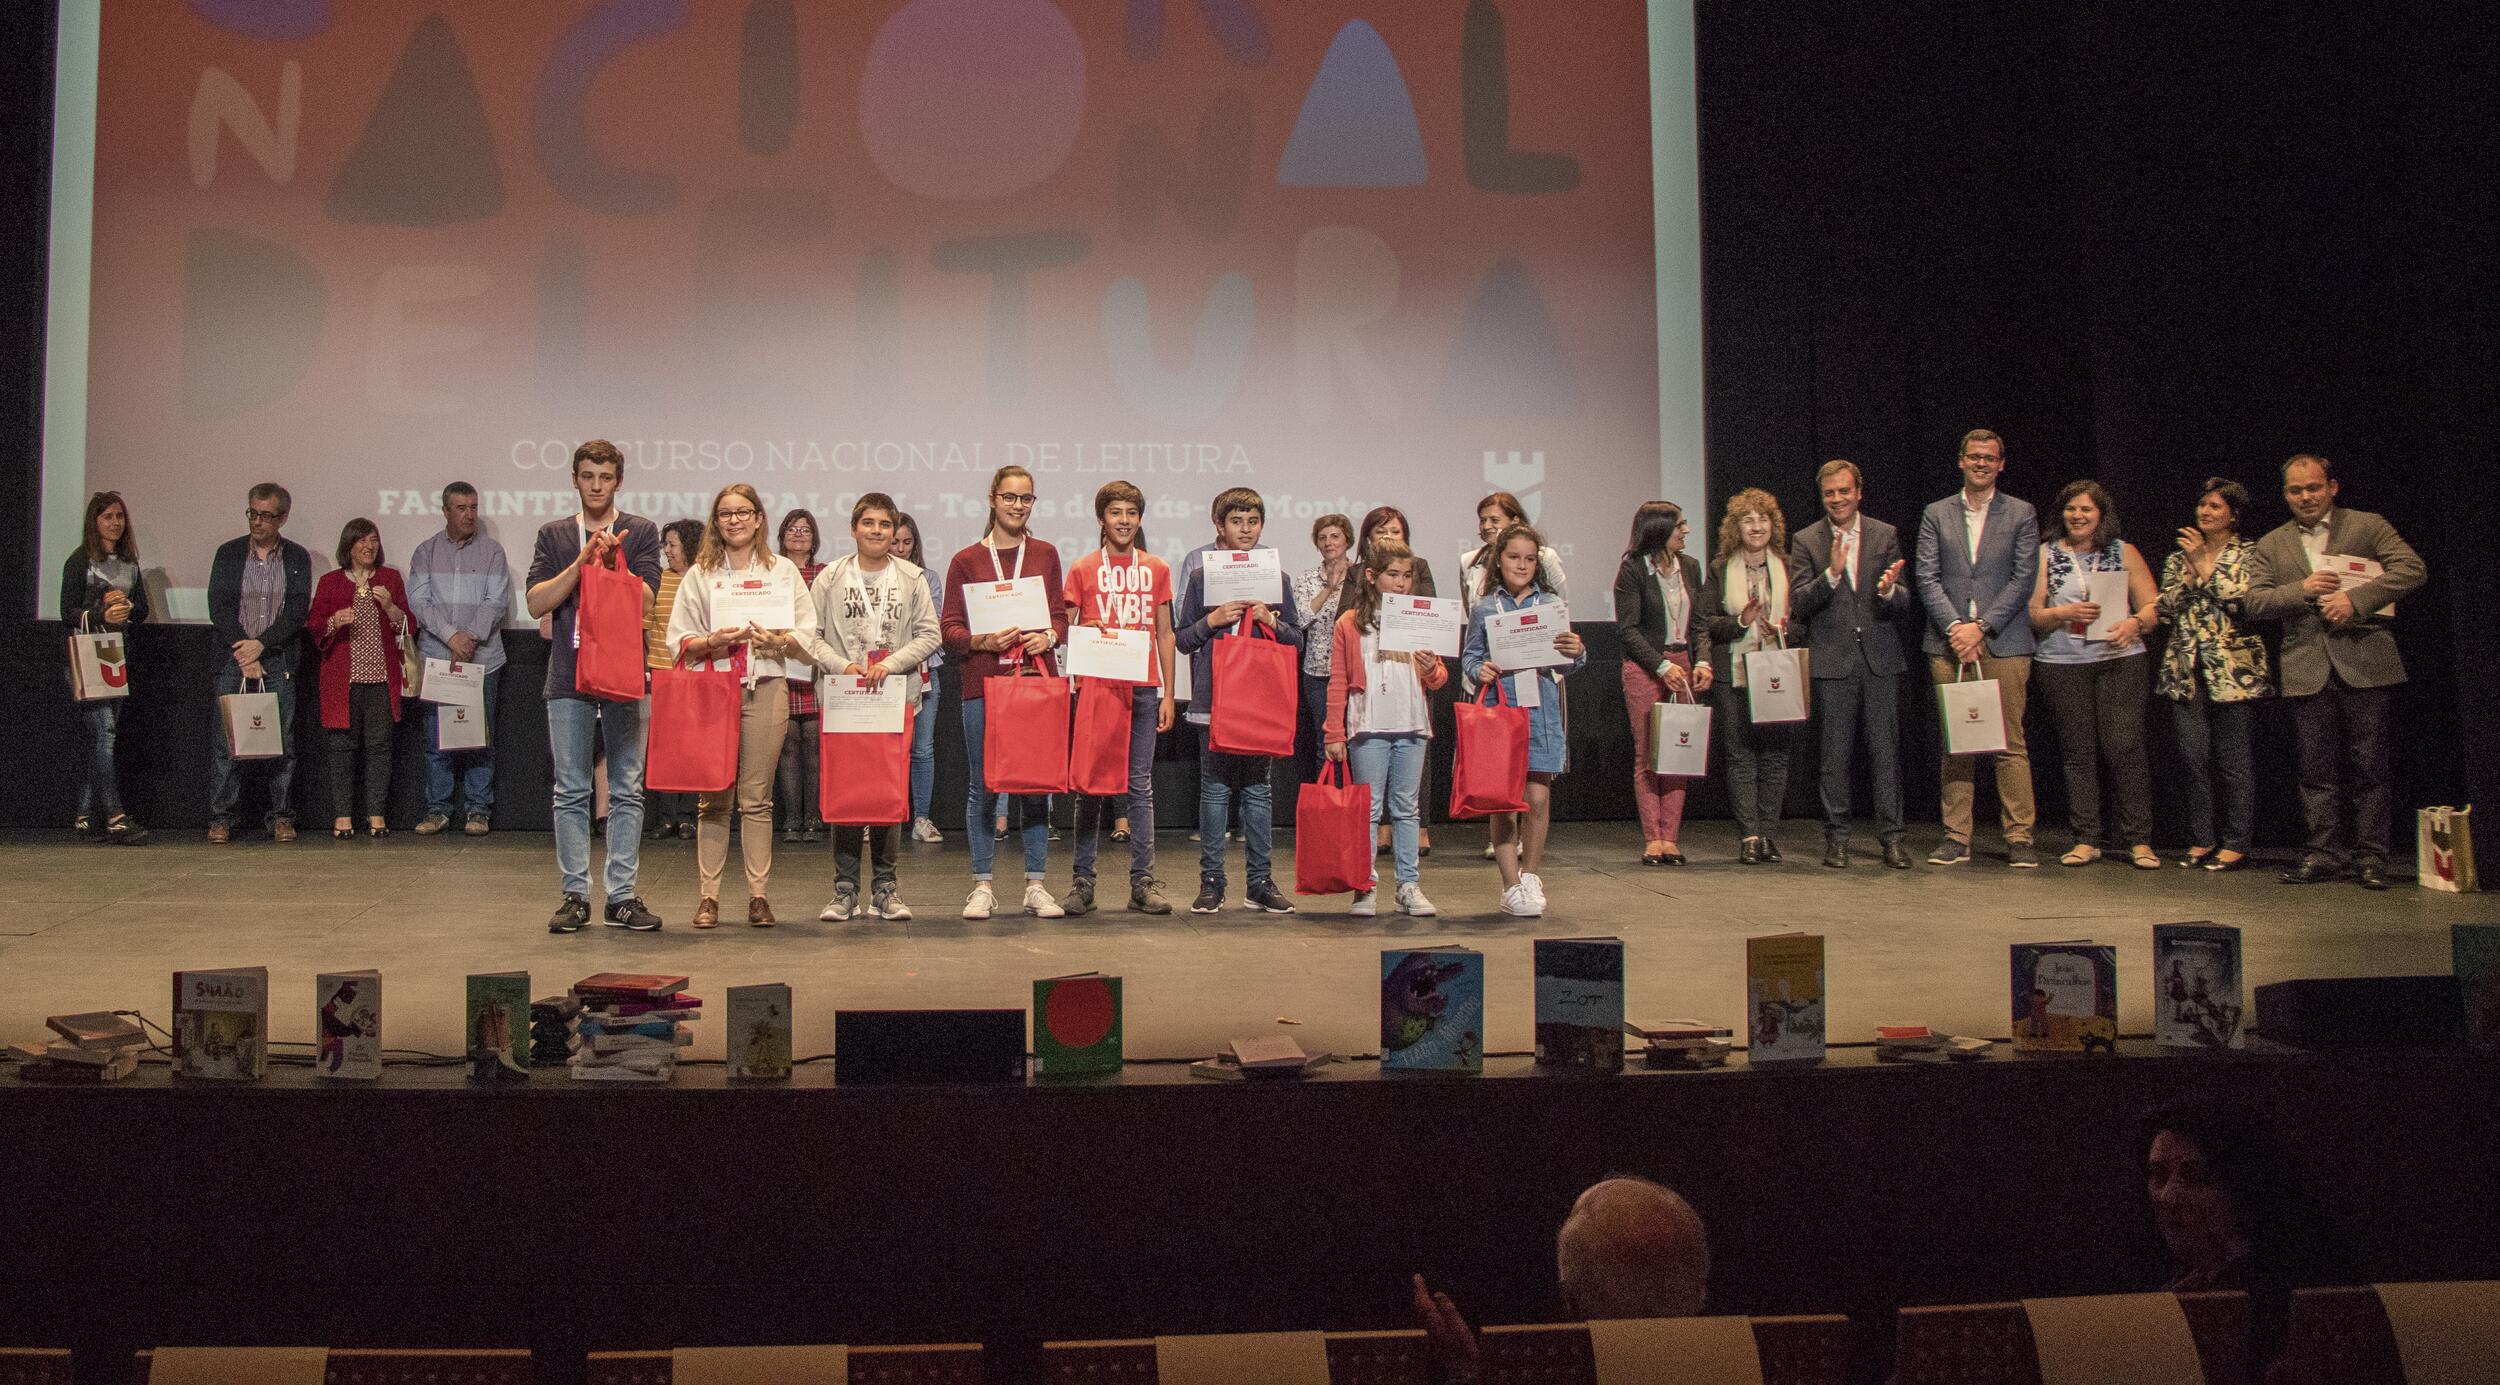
x=367, y=1366
x=1991, y=1343
x=947, y=1364
x=34, y=1366
x=1794, y=1351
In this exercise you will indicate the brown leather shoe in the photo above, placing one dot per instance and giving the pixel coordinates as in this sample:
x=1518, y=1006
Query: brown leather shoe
x=760, y=913
x=219, y=834
x=283, y=830
x=707, y=914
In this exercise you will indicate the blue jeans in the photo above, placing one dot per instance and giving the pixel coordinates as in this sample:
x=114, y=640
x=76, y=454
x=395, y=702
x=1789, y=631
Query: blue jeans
x=471, y=771
x=225, y=778
x=1220, y=777
x=572, y=723
x=924, y=752
x=2214, y=748
x=981, y=807
x=100, y=792
x=1394, y=768
x=1145, y=704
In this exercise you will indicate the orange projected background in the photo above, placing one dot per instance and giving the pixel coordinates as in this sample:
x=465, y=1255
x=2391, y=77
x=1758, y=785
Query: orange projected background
x=825, y=248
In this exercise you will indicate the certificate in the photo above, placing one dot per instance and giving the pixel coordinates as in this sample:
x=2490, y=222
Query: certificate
x=845, y=702
x=763, y=602
x=2107, y=590
x=1125, y=655
x=1251, y=574
x=1020, y=603
x=1420, y=624
x=2349, y=570
x=453, y=684
x=1524, y=638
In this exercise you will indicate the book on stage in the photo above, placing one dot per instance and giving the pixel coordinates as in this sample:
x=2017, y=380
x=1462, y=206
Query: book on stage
x=2197, y=998
x=1432, y=1009
x=221, y=1024
x=1076, y=1024
x=347, y=1020
x=1579, y=1003
x=2065, y=997
x=759, y=1032
x=498, y=1024
x=1784, y=998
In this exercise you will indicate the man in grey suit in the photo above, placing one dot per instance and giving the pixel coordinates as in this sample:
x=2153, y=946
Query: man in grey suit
x=2339, y=663
x=1844, y=581
x=1978, y=556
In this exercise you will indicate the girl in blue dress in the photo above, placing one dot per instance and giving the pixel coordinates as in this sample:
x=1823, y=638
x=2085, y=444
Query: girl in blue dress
x=1519, y=838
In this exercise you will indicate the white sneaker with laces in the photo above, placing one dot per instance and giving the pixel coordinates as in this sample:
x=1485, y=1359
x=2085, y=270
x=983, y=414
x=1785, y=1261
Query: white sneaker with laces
x=1411, y=901
x=1364, y=906
x=1519, y=901
x=923, y=830
x=1536, y=887
x=979, y=903
x=1039, y=904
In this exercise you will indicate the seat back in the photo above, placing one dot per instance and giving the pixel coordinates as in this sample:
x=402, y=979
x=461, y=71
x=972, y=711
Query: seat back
x=384, y=1366
x=1794, y=1350
x=34, y=1366
x=954, y=1363
x=1991, y=1343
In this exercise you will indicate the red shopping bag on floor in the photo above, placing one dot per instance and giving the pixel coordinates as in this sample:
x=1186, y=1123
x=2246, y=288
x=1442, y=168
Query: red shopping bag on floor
x=863, y=778
x=1257, y=693
x=1098, y=754
x=610, y=646
x=1024, y=732
x=693, y=745
x=1332, y=835
x=1490, y=772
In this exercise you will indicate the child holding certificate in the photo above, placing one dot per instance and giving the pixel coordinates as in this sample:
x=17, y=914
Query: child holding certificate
x=1014, y=580
x=1240, y=518
x=1120, y=587
x=1519, y=583
x=1379, y=716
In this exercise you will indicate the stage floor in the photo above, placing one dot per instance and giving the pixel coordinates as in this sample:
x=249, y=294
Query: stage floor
x=90, y=928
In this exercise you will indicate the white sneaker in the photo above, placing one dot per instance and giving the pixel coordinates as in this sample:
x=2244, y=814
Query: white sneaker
x=1520, y=902
x=1411, y=901
x=1039, y=904
x=1488, y=851
x=979, y=903
x=1364, y=907
x=923, y=830
x=1536, y=887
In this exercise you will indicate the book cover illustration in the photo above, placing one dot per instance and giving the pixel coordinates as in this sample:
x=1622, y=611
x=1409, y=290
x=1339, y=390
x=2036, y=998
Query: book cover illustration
x=2065, y=997
x=347, y=1015
x=1784, y=998
x=2475, y=949
x=1077, y=1025
x=2197, y=996
x=759, y=1032
x=1432, y=1010
x=221, y=1024
x=499, y=1024
x=1579, y=1003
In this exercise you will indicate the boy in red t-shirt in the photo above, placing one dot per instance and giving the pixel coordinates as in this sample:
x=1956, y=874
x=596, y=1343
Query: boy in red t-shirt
x=1121, y=586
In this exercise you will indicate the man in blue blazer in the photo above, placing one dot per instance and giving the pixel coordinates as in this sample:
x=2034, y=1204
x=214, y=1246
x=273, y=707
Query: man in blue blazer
x=1845, y=582
x=1978, y=556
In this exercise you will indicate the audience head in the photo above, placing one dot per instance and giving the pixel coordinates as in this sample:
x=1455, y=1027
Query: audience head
x=737, y=522
x=2309, y=486
x=797, y=538
x=906, y=537
x=107, y=533
x=1011, y=502
x=1753, y=522
x=1657, y=529
x=1496, y=512
x=265, y=508
x=1633, y=1249
x=1982, y=459
x=2223, y=1187
x=2220, y=506
x=1240, y=517
x=1333, y=536
x=2086, y=515
x=460, y=511
x=680, y=540
x=360, y=544
x=1384, y=523
x=1127, y=527
x=1842, y=487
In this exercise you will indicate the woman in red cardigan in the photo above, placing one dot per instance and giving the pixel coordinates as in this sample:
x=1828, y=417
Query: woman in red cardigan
x=358, y=616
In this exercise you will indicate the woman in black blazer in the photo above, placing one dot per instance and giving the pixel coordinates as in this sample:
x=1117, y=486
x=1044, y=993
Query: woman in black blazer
x=101, y=590
x=1666, y=653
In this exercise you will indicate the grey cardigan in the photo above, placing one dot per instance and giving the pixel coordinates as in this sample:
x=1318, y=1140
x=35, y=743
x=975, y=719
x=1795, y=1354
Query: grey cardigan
x=830, y=648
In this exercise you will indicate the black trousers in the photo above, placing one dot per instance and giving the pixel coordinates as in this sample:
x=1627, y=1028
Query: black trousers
x=2343, y=760
x=367, y=739
x=797, y=773
x=2098, y=710
x=881, y=840
x=1845, y=705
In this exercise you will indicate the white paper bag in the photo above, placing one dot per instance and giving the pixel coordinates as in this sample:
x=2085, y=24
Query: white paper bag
x=1679, y=739
x=1775, y=685
x=459, y=726
x=452, y=683
x=2444, y=849
x=1974, y=718
x=251, y=719
x=99, y=665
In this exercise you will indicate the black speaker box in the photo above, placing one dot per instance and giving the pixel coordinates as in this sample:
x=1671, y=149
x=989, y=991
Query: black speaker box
x=927, y=1046
x=2361, y=1012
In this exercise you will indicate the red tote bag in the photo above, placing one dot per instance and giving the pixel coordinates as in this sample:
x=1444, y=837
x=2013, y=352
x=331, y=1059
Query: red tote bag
x=1490, y=772
x=1256, y=694
x=1332, y=835
x=693, y=745
x=608, y=659
x=1098, y=753
x=863, y=778
x=1024, y=733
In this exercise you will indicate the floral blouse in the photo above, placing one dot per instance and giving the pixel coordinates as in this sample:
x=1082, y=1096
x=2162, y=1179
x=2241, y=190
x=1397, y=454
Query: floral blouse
x=2208, y=639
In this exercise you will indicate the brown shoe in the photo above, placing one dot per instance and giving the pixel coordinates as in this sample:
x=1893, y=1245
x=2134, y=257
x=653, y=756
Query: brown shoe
x=707, y=914
x=283, y=830
x=219, y=834
x=760, y=913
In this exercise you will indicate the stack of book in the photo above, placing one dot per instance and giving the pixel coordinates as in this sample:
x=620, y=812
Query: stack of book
x=1273, y=1057
x=98, y=1047
x=1916, y=1043
x=553, y=1022
x=1683, y=1043
x=631, y=1026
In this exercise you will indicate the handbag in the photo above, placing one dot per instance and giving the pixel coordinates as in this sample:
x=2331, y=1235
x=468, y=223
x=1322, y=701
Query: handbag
x=693, y=745
x=99, y=663
x=1024, y=733
x=1974, y=717
x=1256, y=697
x=1679, y=738
x=253, y=731
x=1489, y=772
x=2444, y=849
x=1098, y=752
x=459, y=726
x=610, y=642
x=863, y=778
x=1776, y=684
x=1332, y=835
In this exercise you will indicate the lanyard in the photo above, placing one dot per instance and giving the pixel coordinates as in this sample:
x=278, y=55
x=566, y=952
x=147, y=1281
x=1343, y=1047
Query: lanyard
x=998, y=570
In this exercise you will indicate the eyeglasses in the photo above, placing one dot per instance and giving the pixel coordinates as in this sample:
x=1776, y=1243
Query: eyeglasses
x=273, y=516
x=724, y=516
x=1021, y=502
